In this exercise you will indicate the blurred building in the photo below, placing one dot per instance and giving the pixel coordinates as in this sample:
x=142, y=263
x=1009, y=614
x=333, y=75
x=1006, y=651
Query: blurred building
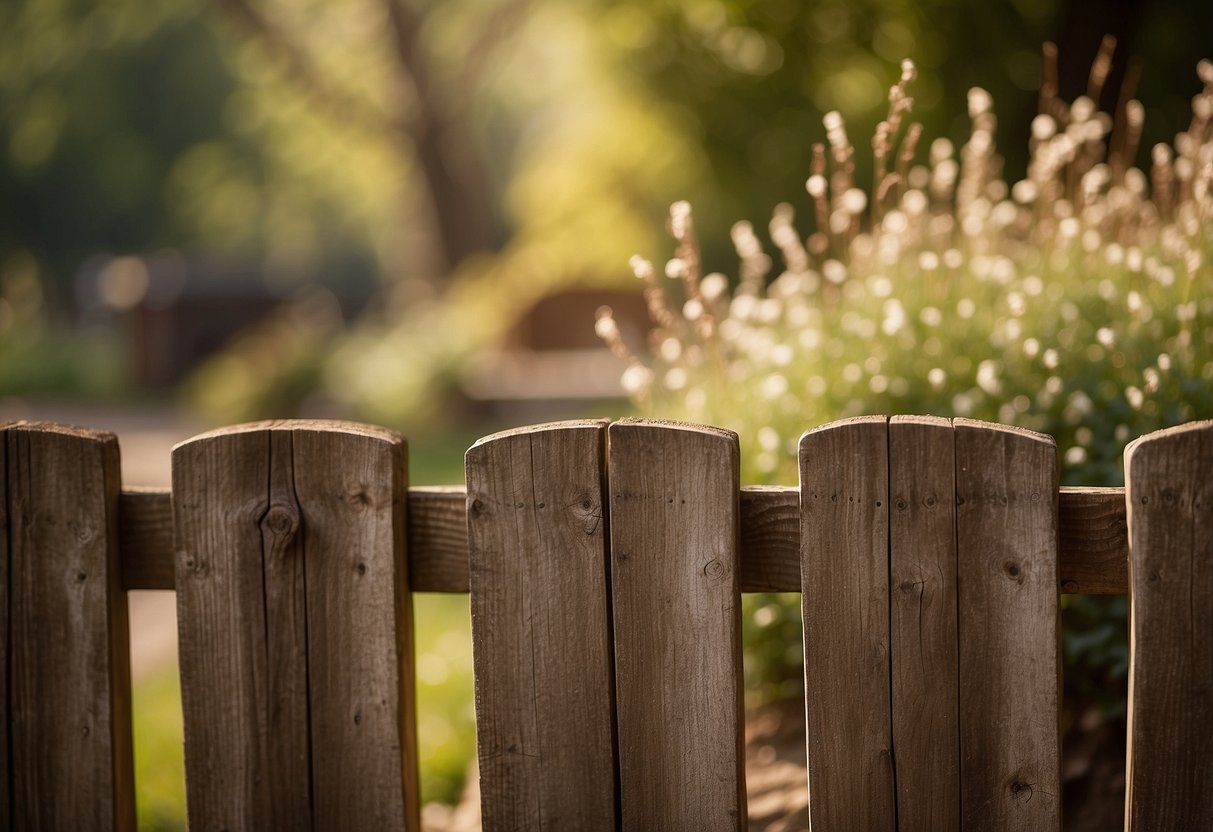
x=171, y=313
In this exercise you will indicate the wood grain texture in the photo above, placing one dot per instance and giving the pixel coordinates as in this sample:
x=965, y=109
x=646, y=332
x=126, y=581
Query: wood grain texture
x=541, y=628
x=676, y=603
x=350, y=491
x=1093, y=541
x=1006, y=533
x=1093, y=559
x=438, y=538
x=844, y=539
x=67, y=714
x=6, y=645
x=145, y=538
x=770, y=539
x=922, y=578
x=1170, y=495
x=294, y=627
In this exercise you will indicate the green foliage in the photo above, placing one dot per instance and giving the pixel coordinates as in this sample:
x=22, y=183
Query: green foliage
x=38, y=358
x=1078, y=302
x=446, y=714
x=159, y=761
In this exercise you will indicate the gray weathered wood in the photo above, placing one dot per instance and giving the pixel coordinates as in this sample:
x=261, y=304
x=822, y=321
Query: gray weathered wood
x=1170, y=500
x=1006, y=532
x=922, y=580
x=844, y=539
x=350, y=488
x=294, y=626
x=1093, y=556
x=541, y=628
x=67, y=710
x=674, y=569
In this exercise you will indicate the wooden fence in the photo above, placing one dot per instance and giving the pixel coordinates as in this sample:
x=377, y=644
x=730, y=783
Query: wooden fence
x=605, y=564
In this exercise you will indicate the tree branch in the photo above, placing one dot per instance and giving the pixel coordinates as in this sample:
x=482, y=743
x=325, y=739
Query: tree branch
x=340, y=104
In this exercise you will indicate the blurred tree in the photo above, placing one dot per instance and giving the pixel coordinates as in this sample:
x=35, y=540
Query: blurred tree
x=550, y=135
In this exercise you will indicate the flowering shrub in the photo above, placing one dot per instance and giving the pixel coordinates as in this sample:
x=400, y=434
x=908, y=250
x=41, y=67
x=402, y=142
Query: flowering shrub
x=1077, y=301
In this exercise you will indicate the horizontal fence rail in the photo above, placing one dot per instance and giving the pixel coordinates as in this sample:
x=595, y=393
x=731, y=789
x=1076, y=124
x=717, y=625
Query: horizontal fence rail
x=604, y=563
x=1092, y=557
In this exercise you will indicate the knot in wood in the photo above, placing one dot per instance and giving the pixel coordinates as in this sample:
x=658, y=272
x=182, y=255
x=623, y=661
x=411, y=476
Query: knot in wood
x=281, y=520
x=358, y=498
x=714, y=568
x=1021, y=790
x=901, y=503
x=1014, y=571
x=930, y=500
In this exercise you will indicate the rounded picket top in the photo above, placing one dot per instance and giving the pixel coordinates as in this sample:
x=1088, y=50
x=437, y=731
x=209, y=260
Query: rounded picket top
x=1173, y=442
x=674, y=425
x=545, y=427
x=1009, y=433
x=850, y=425
x=59, y=429
x=326, y=426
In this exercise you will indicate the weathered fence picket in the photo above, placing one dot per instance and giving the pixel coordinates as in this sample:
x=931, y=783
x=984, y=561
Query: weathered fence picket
x=923, y=597
x=677, y=625
x=606, y=565
x=1169, y=784
x=66, y=733
x=295, y=628
x=541, y=628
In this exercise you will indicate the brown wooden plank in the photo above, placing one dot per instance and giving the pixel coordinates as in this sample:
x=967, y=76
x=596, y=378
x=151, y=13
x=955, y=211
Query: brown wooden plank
x=6, y=525
x=350, y=485
x=922, y=578
x=1170, y=495
x=293, y=625
x=541, y=628
x=68, y=686
x=1093, y=559
x=770, y=539
x=220, y=485
x=145, y=538
x=844, y=537
x=289, y=799
x=1093, y=541
x=676, y=604
x=438, y=538
x=1006, y=532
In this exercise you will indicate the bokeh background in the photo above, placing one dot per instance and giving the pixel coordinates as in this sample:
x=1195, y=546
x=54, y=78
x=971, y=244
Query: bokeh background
x=407, y=212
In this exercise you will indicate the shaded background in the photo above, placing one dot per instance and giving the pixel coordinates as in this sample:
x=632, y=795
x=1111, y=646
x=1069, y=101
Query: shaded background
x=406, y=212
